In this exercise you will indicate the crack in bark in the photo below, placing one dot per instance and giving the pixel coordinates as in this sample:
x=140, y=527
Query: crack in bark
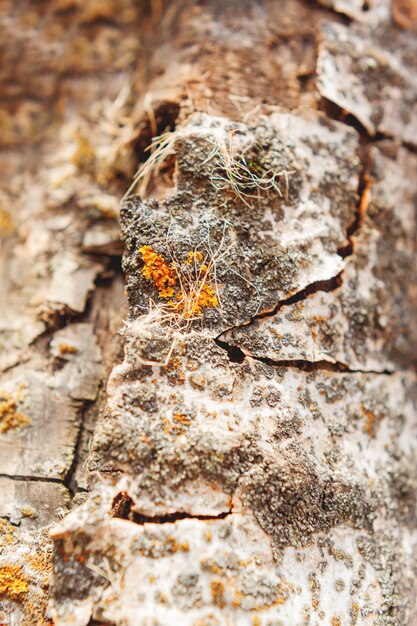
x=331, y=284
x=237, y=355
x=41, y=479
x=122, y=508
x=171, y=518
x=69, y=479
x=311, y=366
x=335, y=112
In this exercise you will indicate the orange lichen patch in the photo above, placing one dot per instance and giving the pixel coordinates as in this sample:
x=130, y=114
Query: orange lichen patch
x=193, y=257
x=237, y=598
x=67, y=348
x=256, y=620
x=172, y=545
x=372, y=423
x=81, y=557
x=6, y=223
x=297, y=311
x=245, y=563
x=282, y=593
x=41, y=561
x=178, y=425
x=354, y=613
x=335, y=621
x=156, y=269
x=13, y=583
x=184, y=419
x=192, y=302
x=176, y=375
x=315, y=591
x=217, y=593
x=168, y=427
x=340, y=555
x=7, y=536
x=183, y=284
x=315, y=324
x=10, y=419
x=211, y=566
x=313, y=583
x=28, y=511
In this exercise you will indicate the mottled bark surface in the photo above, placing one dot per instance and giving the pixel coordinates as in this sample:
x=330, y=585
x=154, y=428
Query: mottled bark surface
x=253, y=462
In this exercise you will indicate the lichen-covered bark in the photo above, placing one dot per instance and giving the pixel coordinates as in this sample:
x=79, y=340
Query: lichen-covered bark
x=253, y=464
x=366, y=320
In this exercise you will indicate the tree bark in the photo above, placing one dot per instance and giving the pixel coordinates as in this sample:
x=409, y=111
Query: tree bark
x=253, y=455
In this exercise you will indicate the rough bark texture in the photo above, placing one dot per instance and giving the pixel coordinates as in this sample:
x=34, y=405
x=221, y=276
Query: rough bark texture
x=254, y=464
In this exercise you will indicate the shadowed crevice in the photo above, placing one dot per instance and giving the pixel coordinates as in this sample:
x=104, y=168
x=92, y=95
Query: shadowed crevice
x=122, y=508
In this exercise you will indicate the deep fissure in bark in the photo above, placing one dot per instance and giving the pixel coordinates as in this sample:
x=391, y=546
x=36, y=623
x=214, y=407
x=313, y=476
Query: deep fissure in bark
x=122, y=508
x=237, y=355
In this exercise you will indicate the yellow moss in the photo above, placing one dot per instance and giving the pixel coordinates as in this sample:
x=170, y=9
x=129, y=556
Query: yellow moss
x=10, y=419
x=13, y=583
